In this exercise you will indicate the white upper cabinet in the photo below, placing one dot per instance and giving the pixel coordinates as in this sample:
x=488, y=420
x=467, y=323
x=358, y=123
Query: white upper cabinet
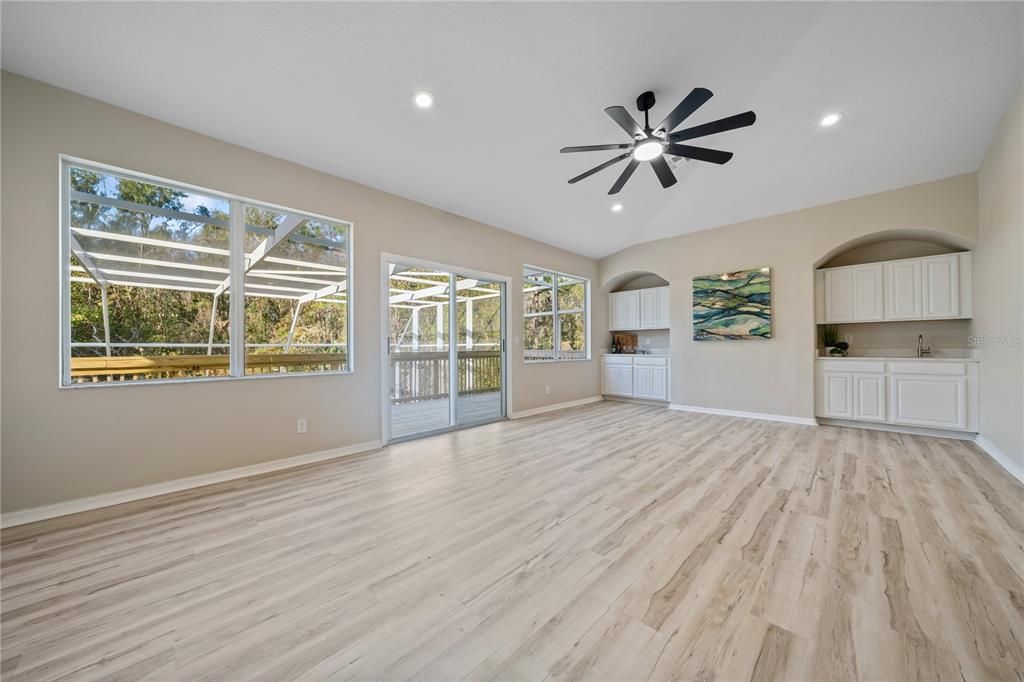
x=867, y=293
x=854, y=294
x=664, y=309
x=935, y=287
x=625, y=309
x=648, y=308
x=941, y=289
x=903, y=290
x=640, y=309
x=839, y=295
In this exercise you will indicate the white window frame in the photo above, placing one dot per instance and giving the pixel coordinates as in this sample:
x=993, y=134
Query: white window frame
x=556, y=323
x=236, y=264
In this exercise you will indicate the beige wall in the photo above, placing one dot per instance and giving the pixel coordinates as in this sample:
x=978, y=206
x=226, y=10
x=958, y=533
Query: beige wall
x=63, y=444
x=775, y=376
x=999, y=284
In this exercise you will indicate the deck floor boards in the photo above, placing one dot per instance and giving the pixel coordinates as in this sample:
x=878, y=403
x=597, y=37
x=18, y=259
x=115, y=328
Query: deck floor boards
x=428, y=415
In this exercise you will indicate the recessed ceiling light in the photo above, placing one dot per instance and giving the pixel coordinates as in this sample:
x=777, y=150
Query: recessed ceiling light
x=616, y=208
x=830, y=120
x=423, y=99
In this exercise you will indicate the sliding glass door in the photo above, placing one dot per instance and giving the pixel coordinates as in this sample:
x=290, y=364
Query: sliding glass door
x=444, y=370
x=480, y=345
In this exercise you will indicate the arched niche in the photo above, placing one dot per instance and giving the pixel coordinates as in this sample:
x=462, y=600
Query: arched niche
x=894, y=244
x=635, y=279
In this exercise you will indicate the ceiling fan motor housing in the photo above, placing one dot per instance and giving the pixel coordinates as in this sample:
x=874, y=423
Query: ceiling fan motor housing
x=645, y=102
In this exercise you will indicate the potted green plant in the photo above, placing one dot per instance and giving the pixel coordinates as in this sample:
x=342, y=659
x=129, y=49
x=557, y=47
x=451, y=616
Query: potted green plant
x=840, y=349
x=829, y=337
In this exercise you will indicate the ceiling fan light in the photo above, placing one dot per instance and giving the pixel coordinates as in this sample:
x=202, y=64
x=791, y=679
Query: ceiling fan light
x=830, y=120
x=423, y=99
x=645, y=151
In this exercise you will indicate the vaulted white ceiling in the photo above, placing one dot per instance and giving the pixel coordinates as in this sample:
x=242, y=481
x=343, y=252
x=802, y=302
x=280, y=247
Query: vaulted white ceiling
x=329, y=85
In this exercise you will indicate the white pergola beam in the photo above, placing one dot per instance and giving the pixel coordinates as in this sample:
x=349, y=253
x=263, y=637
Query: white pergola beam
x=86, y=261
x=322, y=293
x=281, y=232
x=438, y=290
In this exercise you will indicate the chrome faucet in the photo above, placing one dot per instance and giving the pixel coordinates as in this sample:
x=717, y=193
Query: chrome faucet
x=921, y=350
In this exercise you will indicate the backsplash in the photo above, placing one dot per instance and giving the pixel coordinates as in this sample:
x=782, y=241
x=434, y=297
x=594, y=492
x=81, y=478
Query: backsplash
x=654, y=341
x=939, y=334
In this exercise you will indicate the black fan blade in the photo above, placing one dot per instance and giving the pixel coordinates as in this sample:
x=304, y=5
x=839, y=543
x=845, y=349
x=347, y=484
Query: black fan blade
x=698, y=153
x=625, y=121
x=695, y=100
x=595, y=148
x=664, y=173
x=720, y=126
x=598, y=168
x=626, y=172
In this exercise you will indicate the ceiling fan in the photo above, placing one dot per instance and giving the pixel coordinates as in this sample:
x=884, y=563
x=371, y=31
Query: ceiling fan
x=653, y=144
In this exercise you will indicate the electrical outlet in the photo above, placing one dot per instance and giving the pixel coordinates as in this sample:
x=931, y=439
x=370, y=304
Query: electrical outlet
x=300, y=425
x=547, y=390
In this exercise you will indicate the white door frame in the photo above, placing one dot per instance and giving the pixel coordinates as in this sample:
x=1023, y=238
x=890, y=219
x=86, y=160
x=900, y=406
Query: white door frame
x=385, y=364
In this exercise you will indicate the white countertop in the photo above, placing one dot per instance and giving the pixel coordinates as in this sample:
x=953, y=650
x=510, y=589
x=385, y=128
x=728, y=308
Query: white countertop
x=937, y=357
x=639, y=355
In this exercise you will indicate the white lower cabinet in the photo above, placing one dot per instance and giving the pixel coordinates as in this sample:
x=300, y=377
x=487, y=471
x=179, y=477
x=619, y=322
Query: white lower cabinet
x=635, y=376
x=618, y=379
x=869, y=397
x=838, y=395
x=937, y=395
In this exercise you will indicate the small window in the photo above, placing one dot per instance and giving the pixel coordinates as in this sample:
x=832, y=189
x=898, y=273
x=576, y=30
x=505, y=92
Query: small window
x=555, y=314
x=147, y=289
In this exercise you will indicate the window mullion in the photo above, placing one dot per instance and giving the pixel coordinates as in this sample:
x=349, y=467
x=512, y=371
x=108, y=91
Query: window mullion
x=236, y=265
x=556, y=328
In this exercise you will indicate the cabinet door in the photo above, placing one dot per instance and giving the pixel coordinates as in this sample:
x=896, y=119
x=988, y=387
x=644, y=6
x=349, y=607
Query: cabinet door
x=648, y=308
x=839, y=295
x=941, y=286
x=608, y=380
x=641, y=382
x=867, y=293
x=903, y=290
x=935, y=401
x=659, y=383
x=838, y=395
x=618, y=379
x=617, y=303
x=632, y=309
x=869, y=397
x=625, y=380
x=664, y=309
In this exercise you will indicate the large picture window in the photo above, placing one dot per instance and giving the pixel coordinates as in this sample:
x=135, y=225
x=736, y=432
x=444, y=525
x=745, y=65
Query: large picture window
x=555, y=316
x=150, y=267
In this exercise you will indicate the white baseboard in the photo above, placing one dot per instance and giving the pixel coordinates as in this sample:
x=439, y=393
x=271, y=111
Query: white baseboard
x=899, y=428
x=1014, y=469
x=806, y=421
x=50, y=511
x=557, y=406
x=636, y=401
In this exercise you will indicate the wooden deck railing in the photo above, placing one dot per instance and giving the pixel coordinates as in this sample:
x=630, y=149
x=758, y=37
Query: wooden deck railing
x=424, y=376
x=137, y=367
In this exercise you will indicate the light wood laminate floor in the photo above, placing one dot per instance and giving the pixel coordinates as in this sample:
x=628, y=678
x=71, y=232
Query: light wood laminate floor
x=615, y=541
